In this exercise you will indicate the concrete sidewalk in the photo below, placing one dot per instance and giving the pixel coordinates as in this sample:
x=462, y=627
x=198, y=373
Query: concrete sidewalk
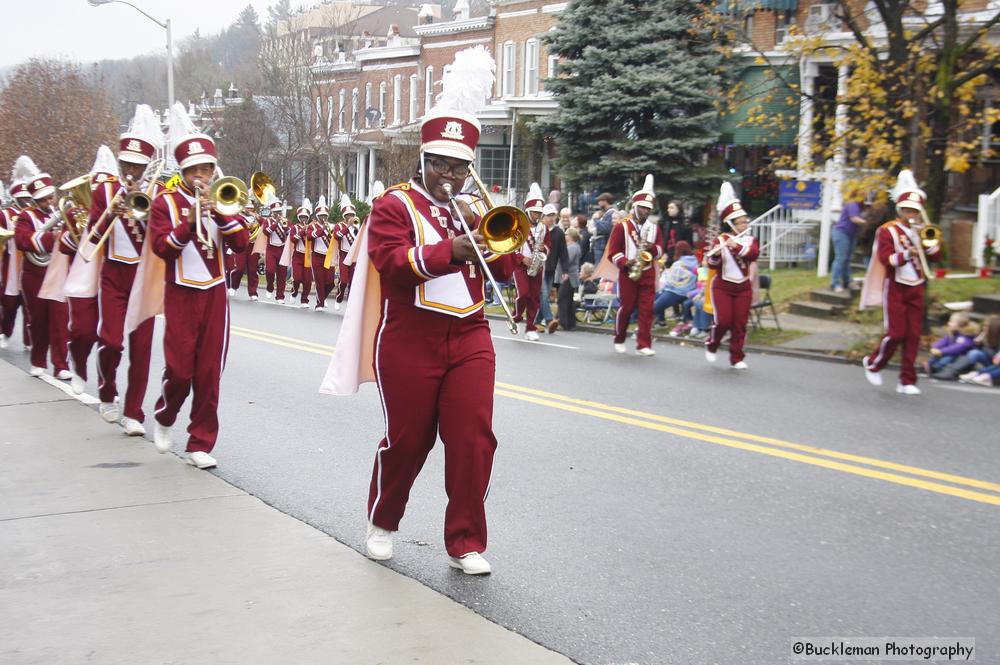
x=113, y=553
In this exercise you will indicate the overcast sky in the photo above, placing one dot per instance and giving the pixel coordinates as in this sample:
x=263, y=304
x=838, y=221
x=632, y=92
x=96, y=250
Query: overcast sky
x=75, y=30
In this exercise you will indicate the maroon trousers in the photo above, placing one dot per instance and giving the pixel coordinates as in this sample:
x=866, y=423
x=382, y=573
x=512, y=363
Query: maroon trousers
x=83, y=317
x=195, y=345
x=245, y=263
x=904, y=313
x=323, y=277
x=272, y=268
x=731, y=303
x=116, y=284
x=48, y=321
x=529, y=297
x=301, y=276
x=631, y=295
x=10, y=305
x=436, y=382
x=346, y=273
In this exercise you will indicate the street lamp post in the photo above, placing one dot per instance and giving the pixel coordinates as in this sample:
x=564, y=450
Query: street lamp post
x=170, y=46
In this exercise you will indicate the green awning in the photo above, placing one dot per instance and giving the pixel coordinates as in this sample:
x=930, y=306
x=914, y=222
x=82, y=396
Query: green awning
x=763, y=91
x=747, y=6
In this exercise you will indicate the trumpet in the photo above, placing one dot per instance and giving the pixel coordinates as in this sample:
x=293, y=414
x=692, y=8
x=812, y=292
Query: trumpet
x=505, y=229
x=152, y=173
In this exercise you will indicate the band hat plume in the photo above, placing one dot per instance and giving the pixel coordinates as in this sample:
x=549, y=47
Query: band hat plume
x=346, y=207
x=304, y=210
x=907, y=194
x=21, y=175
x=728, y=204
x=104, y=166
x=37, y=184
x=377, y=190
x=321, y=207
x=645, y=197
x=144, y=138
x=190, y=147
x=534, y=202
x=451, y=128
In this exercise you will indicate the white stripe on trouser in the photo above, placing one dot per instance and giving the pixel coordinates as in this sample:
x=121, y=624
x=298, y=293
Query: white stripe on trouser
x=885, y=322
x=385, y=411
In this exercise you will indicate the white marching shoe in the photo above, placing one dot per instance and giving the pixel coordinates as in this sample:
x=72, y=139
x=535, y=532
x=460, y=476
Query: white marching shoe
x=64, y=375
x=304, y=305
x=472, y=563
x=253, y=298
x=133, y=427
x=231, y=292
x=336, y=306
x=3, y=341
x=646, y=351
x=109, y=411
x=280, y=301
x=378, y=543
x=874, y=378
x=161, y=437
x=36, y=371
x=620, y=348
x=270, y=295
x=907, y=389
x=77, y=384
x=531, y=336
x=739, y=365
x=200, y=459
x=320, y=308
x=709, y=356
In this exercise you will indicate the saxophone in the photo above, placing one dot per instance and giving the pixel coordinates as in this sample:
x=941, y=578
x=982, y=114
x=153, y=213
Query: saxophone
x=638, y=265
x=538, y=255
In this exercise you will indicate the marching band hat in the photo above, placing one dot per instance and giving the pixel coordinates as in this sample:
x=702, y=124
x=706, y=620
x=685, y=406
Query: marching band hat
x=304, y=210
x=729, y=205
x=534, y=202
x=645, y=197
x=907, y=194
x=346, y=207
x=321, y=207
x=143, y=139
x=28, y=181
x=190, y=146
x=451, y=128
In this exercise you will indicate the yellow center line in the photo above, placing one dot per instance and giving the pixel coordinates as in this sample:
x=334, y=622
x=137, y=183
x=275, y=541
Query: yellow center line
x=703, y=432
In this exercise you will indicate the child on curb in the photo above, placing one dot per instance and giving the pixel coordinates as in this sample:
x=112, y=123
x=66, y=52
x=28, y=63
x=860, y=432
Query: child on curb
x=959, y=340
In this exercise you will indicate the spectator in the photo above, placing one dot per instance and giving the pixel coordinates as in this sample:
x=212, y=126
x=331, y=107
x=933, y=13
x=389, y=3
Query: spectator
x=958, y=341
x=602, y=225
x=845, y=233
x=565, y=218
x=569, y=281
x=581, y=226
x=675, y=228
x=875, y=216
x=557, y=257
x=678, y=283
x=985, y=354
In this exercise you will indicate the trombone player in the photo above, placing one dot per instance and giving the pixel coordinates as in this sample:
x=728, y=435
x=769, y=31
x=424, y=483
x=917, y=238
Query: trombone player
x=10, y=279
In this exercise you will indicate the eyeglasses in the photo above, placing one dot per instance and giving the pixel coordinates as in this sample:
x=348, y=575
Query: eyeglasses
x=442, y=167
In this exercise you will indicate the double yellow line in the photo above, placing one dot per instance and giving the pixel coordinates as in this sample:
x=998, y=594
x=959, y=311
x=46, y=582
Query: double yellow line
x=869, y=467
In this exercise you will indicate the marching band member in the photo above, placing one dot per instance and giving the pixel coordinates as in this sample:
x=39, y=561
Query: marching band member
x=896, y=279
x=734, y=257
x=346, y=233
x=36, y=236
x=195, y=301
x=431, y=353
x=10, y=278
x=247, y=261
x=530, y=271
x=276, y=229
x=320, y=235
x=302, y=253
x=122, y=251
x=634, y=247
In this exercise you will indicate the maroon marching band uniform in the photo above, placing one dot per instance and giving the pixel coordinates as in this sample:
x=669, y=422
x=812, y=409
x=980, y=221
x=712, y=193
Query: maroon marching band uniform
x=439, y=380
x=903, y=297
x=47, y=319
x=9, y=304
x=196, y=309
x=529, y=288
x=245, y=262
x=346, y=235
x=276, y=234
x=623, y=247
x=121, y=251
x=301, y=276
x=732, y=294
x=83, y=318
x=324, y=277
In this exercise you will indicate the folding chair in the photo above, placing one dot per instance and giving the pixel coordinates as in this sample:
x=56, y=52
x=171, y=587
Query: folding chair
x=764, y=290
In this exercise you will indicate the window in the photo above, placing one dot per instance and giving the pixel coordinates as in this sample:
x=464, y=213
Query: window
x=340, y=108
x=492, y=164
x=368, y=103
x=428, y=89
x=397, y=99
x=319, y=111
x=531, y=67
x=354, y=110
x=382, y=87
x=553, y=66
x=329, y=113
x=509, y=62
x=413, y=97
x=784, y=21
x=748, y=26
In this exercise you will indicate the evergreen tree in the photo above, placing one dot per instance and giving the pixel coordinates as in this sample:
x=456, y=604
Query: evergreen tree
x=636, y=86
x=248, y=18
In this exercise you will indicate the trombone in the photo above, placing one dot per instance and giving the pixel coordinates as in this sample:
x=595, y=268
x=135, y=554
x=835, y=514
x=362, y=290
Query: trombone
x=228, y=195
x=505, y=228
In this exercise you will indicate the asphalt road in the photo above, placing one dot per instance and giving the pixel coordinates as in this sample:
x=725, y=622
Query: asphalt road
x=658, y=510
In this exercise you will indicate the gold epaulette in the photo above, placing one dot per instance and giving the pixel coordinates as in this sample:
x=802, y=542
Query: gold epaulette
x=402, y=186
x=103, y=178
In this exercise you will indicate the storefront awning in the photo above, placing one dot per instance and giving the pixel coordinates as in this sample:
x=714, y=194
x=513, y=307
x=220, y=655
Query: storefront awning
x=764, y=91
x=747, y=6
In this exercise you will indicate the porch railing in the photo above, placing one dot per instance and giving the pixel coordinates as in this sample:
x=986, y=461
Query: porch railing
x=784, y=238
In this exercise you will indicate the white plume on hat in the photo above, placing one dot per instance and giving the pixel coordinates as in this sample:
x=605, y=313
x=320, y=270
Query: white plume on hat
x=377, y=189
x=306, y=205
x=906, y=182
x=535, y=191
x=345, y=203
x=24, y=171
x=726, y=196
x=647, y=185
x=146, y=126
x=467, y=82
x=321, y=202
x=105, y=162
x=181, y=125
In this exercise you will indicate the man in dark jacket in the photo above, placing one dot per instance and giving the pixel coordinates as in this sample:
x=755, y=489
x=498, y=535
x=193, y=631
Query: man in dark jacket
x=557, y=257
x=603, y=224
